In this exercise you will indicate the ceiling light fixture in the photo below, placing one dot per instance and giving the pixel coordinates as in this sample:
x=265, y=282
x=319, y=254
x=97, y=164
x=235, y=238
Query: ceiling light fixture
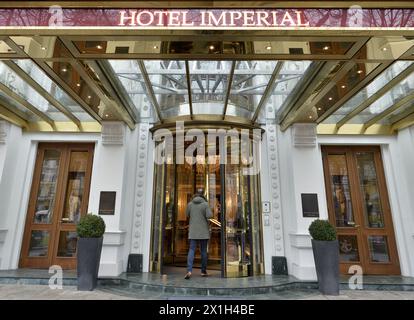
x=330, y=98
x=359, y=71
x=99, y=47
x=343, y=86
x=211, y=47
x=43, y=48
x=325, y=48
x=64, y=69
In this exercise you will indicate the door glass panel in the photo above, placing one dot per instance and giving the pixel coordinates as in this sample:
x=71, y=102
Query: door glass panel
x=340, y=190
x=47, y=187
x=373, y=214
x=67, y=244
x=348, y=248
x=169, y=214
x=39, y=243
x=378, y=249
x=75, y=186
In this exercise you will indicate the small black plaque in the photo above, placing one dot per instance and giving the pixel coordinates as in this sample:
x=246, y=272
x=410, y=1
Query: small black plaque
x=310, y=208
x=107, y=203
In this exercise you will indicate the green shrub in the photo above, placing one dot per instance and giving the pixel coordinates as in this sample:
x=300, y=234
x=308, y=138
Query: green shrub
x=91, y=226
x=322, y=230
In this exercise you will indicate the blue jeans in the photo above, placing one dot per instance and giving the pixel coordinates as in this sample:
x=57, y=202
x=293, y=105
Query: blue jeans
x=191, y=252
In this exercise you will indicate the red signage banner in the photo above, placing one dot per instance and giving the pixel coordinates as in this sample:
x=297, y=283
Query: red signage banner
x=354, y=17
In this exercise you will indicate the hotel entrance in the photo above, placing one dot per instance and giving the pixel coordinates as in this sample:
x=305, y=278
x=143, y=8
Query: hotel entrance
x=235, y=245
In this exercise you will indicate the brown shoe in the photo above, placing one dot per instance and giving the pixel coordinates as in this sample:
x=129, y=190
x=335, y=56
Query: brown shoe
x=187, y=276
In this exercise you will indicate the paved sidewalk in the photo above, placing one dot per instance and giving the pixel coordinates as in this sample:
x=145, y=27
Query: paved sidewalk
x=41, y=292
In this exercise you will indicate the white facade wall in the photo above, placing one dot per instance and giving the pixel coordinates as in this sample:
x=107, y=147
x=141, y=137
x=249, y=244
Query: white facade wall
x=287, y=171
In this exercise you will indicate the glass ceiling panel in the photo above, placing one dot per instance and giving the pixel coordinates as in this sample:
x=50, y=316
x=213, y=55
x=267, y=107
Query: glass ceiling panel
x=169, y=82
x=4, y=48
x=392, y=96
x=386, y=76
x=13, y=81
x=52, y=88
x=20, y=110
x=127, y=72
x=399, y=113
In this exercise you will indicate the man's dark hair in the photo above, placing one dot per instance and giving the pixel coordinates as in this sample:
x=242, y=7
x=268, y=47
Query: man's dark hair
x=200, y=193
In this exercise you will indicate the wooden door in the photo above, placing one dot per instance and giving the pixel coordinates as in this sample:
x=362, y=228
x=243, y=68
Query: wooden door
x=358, y=206
x=59, y=197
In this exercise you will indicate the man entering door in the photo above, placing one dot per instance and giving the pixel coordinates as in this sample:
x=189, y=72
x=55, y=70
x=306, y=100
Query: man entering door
x=199, y=212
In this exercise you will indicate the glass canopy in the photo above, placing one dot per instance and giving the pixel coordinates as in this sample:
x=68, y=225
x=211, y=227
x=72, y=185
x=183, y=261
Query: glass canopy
x=73, y=83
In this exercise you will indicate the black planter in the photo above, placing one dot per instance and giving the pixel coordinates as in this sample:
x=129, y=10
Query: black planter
x=326, y=254
x=89, y=255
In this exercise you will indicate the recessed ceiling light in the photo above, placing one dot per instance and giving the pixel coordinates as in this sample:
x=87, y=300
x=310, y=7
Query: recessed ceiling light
x=330, y=98
x=310, y=117
x=319, y=108
x=325, y=48
x=43, y=48
x=359, y=71
x=384, y=49
x=343, y=86
x=211, y=47
x=107, y=115
x=99, y=47
x=64, y=69
x=155, y=47
x=78, y=84
x=89, y=97
x=268, y=47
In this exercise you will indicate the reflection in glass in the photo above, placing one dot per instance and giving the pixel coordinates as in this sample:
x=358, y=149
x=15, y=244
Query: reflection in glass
x=348, y=248
x=302, y=47
x=13, y=81
x=340, y=190
x=52, y=88
x=39, y=243
x=75, y=186
x=378, y=249
x=67, y=244
x=45, y=200
x=385, y=77
x=368, y=181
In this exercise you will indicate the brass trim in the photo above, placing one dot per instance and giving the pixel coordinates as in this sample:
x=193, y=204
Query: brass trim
x=42, y=92
x=65, y=87
x=406, y=113
x=9, y=115
x=353, y=129
x=150, y=90
x=190, y=98
x=403, y=123
x=268, y=91
x=14, y=96
x=207, y=4
x=376, y=95
x=363, y=83
x=64, y=126
x=389, y=110
x=228, y=90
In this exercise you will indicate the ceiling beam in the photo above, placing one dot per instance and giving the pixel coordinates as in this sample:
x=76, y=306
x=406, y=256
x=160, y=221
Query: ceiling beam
x=404, y=122
x=405, y=73
x=190, y=99
x=363, y=83
x=67, y=88
x=228, y=89
x=41, y=91
x=10, y=116
x=268, y=91
x=16, y=97
x=388, y=111
x=150, y=90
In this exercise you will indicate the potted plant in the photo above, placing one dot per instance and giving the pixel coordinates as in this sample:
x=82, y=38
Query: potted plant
x=326, y=254
x=90, y=231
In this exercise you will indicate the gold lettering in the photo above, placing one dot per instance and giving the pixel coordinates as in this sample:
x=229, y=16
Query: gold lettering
x=123, y=18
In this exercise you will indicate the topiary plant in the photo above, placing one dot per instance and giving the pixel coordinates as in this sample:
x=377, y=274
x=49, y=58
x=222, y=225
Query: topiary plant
x=91, y=226
x=322, y=230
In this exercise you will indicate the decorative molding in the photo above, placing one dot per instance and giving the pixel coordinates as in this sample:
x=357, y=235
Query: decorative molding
x=141, y=174
x=300, y=240
x=271, y=131
x=3, y=131
x=113, y=133
x=114, y=238
x=304, y=135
